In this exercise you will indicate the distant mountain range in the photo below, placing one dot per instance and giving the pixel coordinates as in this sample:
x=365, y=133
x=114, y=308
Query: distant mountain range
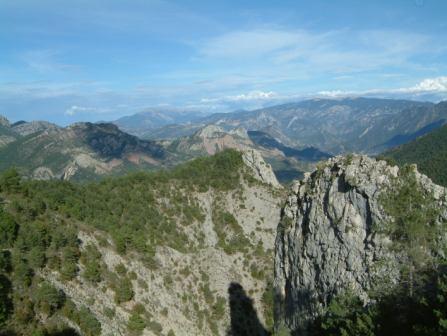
x=86, y=151
x=142, y=123
x=367, y=125
x=292, y=137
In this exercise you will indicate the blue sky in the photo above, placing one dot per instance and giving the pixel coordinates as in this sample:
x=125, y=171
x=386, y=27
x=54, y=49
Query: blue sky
x=66, y=61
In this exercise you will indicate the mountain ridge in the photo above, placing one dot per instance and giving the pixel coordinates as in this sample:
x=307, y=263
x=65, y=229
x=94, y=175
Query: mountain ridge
x=366, y=125
x=81, y=150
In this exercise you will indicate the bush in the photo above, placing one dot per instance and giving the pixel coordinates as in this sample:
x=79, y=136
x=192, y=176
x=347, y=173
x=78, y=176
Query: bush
x=88, y=322
x=49, y=298
x=123, y=290
x=156, y=327
x=347, y=316
x=218, y=308
x=91, y=258
x=120, y=269
x=109, y=312
x=8, y=229
x=5, y=299
x=10, y=181
x=136, y=324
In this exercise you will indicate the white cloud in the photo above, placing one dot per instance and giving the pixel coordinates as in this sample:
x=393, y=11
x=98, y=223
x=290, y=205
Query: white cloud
x=250, y=96
x=334, y=93
x=75, y=109
x=438, y=84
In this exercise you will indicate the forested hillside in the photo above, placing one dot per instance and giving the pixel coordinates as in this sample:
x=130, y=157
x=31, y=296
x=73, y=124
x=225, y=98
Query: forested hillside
x=429, y=152
x=148, y=241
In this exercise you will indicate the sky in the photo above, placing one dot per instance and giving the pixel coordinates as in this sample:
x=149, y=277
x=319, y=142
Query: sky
x=68, y=61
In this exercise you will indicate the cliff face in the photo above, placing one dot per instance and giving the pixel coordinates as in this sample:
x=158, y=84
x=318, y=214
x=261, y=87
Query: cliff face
x=327, y=242
x=260, y=169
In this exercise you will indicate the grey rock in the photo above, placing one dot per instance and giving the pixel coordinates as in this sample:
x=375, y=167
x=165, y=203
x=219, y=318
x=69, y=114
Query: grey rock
x=27, y=128
x=4, y=121
x=326, y=243
x=262, y=171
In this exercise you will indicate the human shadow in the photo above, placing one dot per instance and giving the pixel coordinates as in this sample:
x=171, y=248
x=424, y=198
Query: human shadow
x=244, y=319
x=65, y=332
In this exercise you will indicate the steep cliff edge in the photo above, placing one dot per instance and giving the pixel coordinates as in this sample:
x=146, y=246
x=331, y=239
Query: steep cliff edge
x=260, y=169
x=333, y=236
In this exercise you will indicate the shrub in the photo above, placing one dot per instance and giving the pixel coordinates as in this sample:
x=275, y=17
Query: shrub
x=123, y=290
x=49, y=298
x=136, y=324
x=10, y=180
x=346, y=316
x=91, y=258
x=120, y=269
x=156, y=327
x=8, y=229
x=88, y=322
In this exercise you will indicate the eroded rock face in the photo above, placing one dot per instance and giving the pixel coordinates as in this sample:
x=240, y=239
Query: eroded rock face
x=261, y=170
x=326, y=242
x=4, y=121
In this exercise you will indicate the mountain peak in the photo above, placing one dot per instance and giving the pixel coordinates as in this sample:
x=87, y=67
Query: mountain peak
x=240, y=132
x=210, y=131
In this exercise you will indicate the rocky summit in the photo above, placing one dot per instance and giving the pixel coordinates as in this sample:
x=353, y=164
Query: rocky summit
x=329, y=239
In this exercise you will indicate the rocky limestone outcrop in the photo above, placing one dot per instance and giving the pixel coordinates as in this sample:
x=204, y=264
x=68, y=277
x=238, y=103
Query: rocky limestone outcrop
x=240, y=132
x=261, y=170
x=326, y=242
x=27, y=128
x=4, y=121
x=43, y=173
x=210, y=131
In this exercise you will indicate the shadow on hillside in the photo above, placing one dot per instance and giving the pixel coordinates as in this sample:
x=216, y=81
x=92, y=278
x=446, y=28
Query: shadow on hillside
x=244, y=319
x=64, y=332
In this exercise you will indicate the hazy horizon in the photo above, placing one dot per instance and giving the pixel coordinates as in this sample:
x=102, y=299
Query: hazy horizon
x=89, y=61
